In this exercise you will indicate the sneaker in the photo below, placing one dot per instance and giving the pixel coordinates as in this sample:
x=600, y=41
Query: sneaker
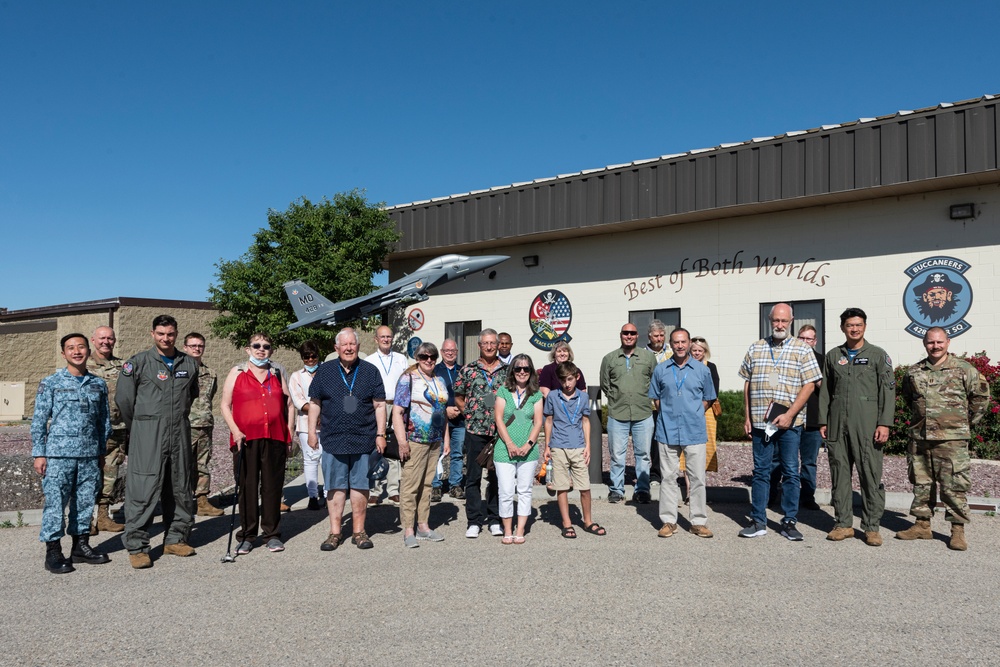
x=788, y=530
x=410, y=541
x=754, y=530
x=641, y=498
x=431, y=536
x=243, y=548
x=473, y=532
x=615, y=497
x=275, y=545
x=457, y=493
x=436, y=495
x=496, y=530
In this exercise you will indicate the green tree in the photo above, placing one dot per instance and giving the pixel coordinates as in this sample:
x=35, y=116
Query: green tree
x=335, y=247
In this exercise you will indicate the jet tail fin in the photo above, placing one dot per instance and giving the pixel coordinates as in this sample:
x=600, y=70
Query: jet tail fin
x=308, y=304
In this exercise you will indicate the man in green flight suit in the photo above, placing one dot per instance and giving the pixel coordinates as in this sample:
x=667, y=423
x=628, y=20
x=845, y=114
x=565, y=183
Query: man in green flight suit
x=857, y=402
x=947, y=396
x=155, y=392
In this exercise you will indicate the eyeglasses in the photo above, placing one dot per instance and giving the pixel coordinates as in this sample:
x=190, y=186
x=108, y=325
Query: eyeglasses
x=195, y=347
x=522, y=369
x=426, y=357
x=629, y=333
x=310, y=357
x=257, y=346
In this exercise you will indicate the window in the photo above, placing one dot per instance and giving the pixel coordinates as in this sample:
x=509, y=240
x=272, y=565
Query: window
x=466, y=334
x=671, y=318
x=803, y=312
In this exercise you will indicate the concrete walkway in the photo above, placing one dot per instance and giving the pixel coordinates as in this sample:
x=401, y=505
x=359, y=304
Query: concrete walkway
x=629, y=598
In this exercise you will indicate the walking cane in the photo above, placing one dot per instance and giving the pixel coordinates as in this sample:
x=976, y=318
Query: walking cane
x=229, y=558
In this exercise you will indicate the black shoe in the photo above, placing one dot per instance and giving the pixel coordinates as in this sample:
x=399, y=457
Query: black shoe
x=809, y=504
x=436, y=495
x=615, y=497
x=82, y=553
x=641, y=498
x=54, y=561
x=314, y=504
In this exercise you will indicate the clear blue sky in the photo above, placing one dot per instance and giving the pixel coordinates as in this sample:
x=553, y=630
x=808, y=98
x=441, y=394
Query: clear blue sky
x=140, y=142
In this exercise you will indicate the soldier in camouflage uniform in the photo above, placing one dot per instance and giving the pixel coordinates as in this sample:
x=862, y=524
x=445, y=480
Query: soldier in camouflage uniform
x=947, y=396
x=105, y=365
x=202, y=424
x=69, y=432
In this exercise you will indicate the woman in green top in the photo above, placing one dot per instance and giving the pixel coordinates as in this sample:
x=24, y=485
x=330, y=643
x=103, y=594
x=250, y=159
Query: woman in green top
x=518, y=413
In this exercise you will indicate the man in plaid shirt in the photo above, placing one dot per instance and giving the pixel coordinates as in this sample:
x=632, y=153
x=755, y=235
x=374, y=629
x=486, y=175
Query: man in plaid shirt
x=781, y=370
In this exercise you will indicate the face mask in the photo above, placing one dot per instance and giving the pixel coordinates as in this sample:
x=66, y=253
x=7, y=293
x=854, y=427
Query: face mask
x=779, y=335
x=260, y=363
x=312, y=369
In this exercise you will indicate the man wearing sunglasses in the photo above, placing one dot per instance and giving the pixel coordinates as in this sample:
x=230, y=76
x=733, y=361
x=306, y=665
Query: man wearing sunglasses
x=154, y=394
x=625, y=376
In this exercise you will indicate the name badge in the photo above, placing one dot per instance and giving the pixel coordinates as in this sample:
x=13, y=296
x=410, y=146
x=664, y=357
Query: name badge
x=861, y=361
x=181, y=374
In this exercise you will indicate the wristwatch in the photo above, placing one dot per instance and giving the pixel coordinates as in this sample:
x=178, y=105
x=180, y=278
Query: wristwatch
x=380, y=435
x=531, y=443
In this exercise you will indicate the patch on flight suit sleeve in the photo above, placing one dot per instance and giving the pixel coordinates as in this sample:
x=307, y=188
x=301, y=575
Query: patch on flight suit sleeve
x=127, y=368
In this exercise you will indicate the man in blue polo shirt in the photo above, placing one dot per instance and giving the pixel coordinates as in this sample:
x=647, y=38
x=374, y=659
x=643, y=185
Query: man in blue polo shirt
x=682, y=389
x=349, y=396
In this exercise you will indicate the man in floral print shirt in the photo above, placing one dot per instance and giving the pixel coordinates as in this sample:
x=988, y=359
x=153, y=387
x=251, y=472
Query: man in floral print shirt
x=475, y=391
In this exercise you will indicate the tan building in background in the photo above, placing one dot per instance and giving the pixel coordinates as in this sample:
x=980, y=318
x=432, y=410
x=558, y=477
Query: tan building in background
x=29, y=339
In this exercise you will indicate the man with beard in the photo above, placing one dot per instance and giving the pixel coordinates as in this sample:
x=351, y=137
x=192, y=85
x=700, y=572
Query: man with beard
x=778, y=374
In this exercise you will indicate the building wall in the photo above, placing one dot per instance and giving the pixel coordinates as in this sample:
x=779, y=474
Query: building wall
x=852, y=254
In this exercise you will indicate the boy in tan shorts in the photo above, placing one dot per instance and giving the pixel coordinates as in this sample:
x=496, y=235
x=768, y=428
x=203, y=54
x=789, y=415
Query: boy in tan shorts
x=567, y=434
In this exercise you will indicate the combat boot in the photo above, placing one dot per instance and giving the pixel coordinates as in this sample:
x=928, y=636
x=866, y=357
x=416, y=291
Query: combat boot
x=957, y=541
x=206, y=508
x=105, y=522
x=54, y=561
x=82, y=553
x=920, y=530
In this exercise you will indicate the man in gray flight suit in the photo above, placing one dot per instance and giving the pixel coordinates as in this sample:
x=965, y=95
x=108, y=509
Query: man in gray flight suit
x=857, y=403
x=155, y=391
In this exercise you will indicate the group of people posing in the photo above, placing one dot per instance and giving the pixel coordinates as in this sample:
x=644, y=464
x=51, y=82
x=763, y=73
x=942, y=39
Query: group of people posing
x=487, y=418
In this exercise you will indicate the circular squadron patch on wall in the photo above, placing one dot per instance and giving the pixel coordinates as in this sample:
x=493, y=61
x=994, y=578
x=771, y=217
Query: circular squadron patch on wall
x=938, y=295
x=549, y=316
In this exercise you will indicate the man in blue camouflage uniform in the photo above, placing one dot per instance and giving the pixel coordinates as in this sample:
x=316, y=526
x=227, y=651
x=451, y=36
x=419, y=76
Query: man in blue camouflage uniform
x=947, y=396
x=69, y=432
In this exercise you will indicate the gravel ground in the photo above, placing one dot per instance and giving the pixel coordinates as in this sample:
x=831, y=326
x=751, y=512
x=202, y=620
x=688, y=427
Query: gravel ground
x=23, y=491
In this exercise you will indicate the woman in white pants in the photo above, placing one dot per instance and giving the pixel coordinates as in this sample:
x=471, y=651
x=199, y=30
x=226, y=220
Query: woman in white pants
x=298, y=385
x=518, y=413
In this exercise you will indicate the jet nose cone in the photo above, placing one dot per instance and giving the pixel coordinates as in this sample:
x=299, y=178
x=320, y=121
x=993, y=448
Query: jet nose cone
x=485, y=261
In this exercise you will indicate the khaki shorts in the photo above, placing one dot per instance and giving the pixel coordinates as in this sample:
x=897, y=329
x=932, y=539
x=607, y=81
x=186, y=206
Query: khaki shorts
x=568, y=469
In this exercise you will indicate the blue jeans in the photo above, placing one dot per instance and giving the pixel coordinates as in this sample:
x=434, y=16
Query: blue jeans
x=642, y=435
x=809, y=448
x=455, y=463
x=786, y=445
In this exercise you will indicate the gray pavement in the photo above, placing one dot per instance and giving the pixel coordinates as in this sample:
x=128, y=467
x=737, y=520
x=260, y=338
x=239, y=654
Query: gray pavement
x=627, y=598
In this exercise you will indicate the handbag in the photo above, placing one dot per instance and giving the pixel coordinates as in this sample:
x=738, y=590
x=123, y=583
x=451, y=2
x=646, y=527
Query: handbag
x=716, y=407
x=485, y=458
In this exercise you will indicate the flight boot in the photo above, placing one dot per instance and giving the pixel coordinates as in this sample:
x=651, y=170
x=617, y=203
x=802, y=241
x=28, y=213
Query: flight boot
x=82, y=553
x=54, y=560
x=105, y=522
x=920, y=530
x=206, y=508
x=957, y=541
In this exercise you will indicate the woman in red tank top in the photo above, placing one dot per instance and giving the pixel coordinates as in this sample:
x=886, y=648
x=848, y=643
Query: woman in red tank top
x=255, y=402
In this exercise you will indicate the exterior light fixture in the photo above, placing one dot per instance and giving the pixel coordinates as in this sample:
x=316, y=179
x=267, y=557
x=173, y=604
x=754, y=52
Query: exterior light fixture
x=963, y=211
x=530, y=260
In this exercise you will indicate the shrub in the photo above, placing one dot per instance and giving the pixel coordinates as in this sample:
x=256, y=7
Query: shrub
x=985, y=443
x=730, y=423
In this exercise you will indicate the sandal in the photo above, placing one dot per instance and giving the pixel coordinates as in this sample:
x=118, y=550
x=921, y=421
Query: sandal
x=519, y=539
x=361, y=540
x=595, y=529
x=569, y=532
x=332, y=542
x=507, y=539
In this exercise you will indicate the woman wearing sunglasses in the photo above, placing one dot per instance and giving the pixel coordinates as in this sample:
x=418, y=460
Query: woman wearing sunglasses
x=518, y=413
x=421, y=427
x=298, y=387
x=256, y=408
